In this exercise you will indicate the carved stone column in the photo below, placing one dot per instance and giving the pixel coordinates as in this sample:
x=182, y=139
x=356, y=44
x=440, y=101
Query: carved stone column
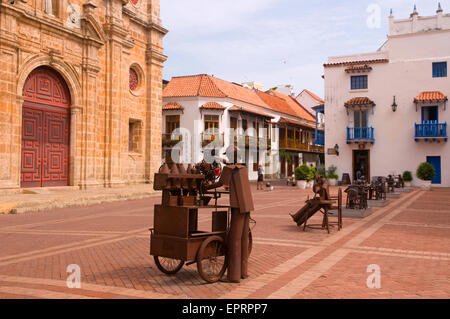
x=76, y=114
x=155, y=60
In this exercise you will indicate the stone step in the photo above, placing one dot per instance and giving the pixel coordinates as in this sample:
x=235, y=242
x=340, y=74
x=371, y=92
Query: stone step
x=404, y=190
x=8, y=208
x=49, y=190
x=378, y=203
x=353, y=213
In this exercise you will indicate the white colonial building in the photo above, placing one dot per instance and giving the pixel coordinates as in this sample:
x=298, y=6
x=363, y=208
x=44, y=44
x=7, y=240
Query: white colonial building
x=208, y=110
x=386, y=111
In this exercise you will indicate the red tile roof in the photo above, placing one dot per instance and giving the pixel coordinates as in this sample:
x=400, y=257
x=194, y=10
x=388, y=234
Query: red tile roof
x=314, y=96
x=430, y=96
x=172, y=106
x=236, y=108
x=284, y=120
x=275, y=103
x=356, y=62
x=359, y=101
x=298, y=109
x=208, y=86
x=212, y=106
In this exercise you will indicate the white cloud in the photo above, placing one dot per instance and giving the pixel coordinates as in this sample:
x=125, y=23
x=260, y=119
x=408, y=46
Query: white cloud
x=272, y=41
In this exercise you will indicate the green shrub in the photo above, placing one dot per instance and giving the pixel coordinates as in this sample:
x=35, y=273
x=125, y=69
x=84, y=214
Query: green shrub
x=321, y=171
x=332, y=172
x=302, y=173
x=312, y=173
x=407, y=176
x=426, y=172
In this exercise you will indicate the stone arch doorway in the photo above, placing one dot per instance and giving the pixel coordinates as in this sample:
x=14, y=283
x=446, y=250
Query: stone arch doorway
x=45, y=130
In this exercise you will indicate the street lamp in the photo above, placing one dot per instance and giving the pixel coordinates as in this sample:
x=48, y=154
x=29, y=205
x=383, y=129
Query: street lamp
x=394, y=105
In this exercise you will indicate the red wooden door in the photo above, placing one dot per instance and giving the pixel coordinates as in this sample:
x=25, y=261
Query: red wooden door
x=45, y=130
x=31, y=147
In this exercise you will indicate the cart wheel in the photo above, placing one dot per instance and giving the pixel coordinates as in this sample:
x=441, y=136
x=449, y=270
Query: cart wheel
x=168, y=266
x=211, y=259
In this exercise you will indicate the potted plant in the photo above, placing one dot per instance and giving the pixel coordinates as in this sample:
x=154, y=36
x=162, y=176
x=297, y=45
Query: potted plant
x=321, y=171
x=311, y=176
x=302, y=173
x=426, y=173
x=332, y=177
x=407, y=178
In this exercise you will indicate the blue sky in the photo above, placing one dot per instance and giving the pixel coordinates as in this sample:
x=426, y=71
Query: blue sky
x=274, y=42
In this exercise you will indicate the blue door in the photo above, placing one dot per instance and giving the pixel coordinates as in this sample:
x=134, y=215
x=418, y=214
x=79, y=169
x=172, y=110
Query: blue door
x=436, y=162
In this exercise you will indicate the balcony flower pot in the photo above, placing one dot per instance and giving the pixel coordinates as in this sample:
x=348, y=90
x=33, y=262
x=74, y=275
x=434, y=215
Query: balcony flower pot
x=425, y=185
x=302, y=184
x=426, y=173
x=301, y=175
x=332, y=177
x=407, y=178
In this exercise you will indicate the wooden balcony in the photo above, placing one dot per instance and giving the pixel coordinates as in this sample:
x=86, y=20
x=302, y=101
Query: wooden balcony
x=360, y=135
x=168, y=141
x=316, y=148
x=252, y=141
x=291, y=144
x=431, y=131
x=296, y=145
x=320, y=138
x=212, y=138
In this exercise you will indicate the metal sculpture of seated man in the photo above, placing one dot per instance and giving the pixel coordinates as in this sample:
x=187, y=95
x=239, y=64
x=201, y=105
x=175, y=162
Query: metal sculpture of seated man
x=380, y=189
x=357, y=195
x=391, y=184
x=400, y=182
x=321, y=189
x=371, y=190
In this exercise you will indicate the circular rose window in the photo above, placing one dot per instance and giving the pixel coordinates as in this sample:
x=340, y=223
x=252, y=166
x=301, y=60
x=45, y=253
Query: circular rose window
x=135, y=2
x=134, y=80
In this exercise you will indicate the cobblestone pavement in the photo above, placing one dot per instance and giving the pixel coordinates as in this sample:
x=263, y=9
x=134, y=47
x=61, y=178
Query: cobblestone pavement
x=409, y=240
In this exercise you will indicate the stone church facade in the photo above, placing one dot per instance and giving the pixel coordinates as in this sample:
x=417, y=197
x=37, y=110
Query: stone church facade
x=80, y=92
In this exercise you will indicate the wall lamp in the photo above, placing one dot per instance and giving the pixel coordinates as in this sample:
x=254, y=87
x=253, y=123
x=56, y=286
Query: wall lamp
x=336, y=149
x=394, y=105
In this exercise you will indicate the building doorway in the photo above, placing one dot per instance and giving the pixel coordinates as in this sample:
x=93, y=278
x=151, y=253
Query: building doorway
x=361, y=165
x=436, y=162
x=45, y=130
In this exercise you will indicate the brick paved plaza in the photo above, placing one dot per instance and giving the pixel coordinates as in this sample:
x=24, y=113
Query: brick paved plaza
x=409, y=239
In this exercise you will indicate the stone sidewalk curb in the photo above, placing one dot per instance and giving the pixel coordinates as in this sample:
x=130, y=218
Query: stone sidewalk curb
x=8, y=208
x=61, y=201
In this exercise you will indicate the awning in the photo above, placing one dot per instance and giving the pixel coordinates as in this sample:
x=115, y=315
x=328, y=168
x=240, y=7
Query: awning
x=212, y=106
x=430, y=97
x=237, y=108
x=172, y=106
x=358, y=68
x=359, y=102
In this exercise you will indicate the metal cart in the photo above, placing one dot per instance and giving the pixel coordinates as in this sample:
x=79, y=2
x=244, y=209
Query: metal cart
x=175, y=238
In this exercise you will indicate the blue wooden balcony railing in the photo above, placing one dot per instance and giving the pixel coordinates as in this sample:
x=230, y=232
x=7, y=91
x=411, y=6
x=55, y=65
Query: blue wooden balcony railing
x=431, y=129
x=320, y=138
x=355, y=134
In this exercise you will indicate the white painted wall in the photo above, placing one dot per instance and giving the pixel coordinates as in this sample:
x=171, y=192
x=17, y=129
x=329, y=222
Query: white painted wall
x=408, y=73
x=305, y=99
